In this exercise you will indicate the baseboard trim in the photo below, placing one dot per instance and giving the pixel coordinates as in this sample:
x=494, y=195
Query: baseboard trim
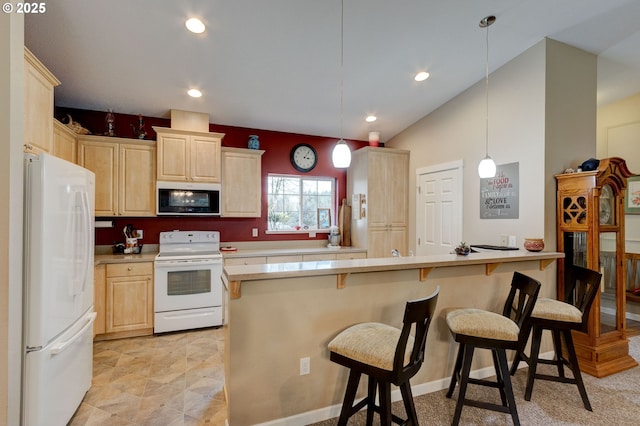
x=326, y=413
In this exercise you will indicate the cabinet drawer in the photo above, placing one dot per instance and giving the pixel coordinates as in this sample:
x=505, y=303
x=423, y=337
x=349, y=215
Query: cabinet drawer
x=356, y=255
x=284, y=259
x=316, y=257
x=129, y=269
x=258, y=260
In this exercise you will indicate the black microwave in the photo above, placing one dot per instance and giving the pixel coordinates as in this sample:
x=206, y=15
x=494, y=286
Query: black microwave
x=188, y=199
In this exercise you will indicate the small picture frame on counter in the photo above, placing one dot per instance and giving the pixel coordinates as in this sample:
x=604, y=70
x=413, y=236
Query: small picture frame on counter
x=324, y=218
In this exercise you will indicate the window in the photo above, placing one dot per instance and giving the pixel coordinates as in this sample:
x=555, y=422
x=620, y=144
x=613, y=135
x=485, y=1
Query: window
x=294, y=201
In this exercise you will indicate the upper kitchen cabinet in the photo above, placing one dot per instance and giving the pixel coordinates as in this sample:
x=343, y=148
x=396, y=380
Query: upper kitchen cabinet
x=241, y=182
x=38, y=105
x=187, y=156
x=125, y=174
x=65, y=142
x=379, y=177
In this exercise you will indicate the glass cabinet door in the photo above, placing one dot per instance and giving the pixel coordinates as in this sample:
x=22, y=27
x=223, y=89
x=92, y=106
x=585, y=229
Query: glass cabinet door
x=608, y=290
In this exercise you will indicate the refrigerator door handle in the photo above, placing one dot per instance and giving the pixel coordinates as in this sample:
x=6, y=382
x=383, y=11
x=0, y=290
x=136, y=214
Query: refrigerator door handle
x=60, y=347
x=86, y=218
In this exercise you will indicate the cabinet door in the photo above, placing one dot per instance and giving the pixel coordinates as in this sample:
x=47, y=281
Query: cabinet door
x=377, y=243
x=129, y=303
x=376, y=190
x=99, y=299
x=38, y=104
x=205, y=159
x=137, y=180
x=397, y=239
x=173, y=157
x=241, y=183
x=65, y=144
x=102, y=159
x=397, y=188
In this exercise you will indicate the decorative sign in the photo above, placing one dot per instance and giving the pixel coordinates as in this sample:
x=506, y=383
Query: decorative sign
x=499, y=195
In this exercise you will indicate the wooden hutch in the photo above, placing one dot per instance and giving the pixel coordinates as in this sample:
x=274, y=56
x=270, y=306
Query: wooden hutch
x=590, y=218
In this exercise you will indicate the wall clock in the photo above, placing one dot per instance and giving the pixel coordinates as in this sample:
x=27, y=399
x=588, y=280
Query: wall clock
x=303, y=157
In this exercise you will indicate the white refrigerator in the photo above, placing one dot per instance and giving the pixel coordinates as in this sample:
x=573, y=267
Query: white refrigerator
x=57, y=289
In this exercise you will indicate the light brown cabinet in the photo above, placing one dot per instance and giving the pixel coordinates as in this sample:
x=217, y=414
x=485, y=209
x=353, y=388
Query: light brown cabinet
x=241, y=182
x=65, y=142
x=99, y=296
x=125, y=174
x=381, y=176
x=129, y=298
x=38, y=105
x=185, y=156
x=591, y=232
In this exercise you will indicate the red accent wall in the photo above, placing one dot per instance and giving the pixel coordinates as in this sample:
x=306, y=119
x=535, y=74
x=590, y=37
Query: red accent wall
x=277, y=146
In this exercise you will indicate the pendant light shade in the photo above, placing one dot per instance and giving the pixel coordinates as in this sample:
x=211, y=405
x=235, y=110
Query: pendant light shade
x=487, y=167
x=341, y=156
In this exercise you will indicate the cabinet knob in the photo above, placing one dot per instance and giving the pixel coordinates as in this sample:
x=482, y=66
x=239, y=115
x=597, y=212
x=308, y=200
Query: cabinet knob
x=130, y=268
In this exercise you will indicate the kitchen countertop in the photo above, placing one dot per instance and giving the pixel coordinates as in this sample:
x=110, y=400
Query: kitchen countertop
x=289, y=251
x=234, y=275
x=102, y=259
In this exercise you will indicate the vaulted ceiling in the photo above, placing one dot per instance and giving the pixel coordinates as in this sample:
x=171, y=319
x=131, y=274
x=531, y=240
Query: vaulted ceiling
x=276, y=65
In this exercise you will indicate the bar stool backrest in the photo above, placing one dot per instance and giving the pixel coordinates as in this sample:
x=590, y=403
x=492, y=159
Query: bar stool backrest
x=580, y=289
x=417, y=315
x=520, y=302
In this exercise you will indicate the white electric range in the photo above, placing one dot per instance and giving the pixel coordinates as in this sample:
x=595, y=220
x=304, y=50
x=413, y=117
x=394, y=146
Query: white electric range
x=187, y=281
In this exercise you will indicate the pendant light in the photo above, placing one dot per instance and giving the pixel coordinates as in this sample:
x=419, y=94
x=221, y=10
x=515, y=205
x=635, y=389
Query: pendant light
x=341, y=156
x=487, y=167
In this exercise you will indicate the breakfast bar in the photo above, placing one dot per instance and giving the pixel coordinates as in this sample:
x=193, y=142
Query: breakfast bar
x=279, y=314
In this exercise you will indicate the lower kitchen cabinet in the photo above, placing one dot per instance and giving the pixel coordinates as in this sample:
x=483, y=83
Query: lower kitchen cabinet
x=99, y=302
x=128, y=299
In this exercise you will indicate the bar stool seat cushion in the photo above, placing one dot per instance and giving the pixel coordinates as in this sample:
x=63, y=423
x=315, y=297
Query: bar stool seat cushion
x=556, y=310
x=485, y=324
x=370, y=343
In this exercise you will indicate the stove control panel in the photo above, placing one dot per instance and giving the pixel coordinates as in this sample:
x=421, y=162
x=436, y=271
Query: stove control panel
x=187, y=237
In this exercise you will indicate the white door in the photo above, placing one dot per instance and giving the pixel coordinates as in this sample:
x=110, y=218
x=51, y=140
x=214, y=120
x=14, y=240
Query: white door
x=439, y=208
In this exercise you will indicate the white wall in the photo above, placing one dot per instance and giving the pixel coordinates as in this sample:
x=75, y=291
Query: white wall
x=519, y=111
x=618, y=133
x=11, y=137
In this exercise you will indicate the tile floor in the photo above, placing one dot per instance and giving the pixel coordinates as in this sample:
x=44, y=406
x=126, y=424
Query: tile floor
x=172, y=379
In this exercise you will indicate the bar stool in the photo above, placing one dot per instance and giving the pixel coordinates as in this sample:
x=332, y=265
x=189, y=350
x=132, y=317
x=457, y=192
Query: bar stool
x=386, y=355
x=475, y=328
x=580, y=289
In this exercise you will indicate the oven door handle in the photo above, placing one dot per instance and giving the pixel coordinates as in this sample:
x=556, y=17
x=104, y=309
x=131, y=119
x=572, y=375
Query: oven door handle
x=174, y=263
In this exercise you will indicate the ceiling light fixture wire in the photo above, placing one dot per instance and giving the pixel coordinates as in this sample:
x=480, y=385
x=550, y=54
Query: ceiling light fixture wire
x=487, y=167
x=341, y=155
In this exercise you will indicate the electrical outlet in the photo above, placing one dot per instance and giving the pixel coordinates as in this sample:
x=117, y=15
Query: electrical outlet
x=140, y=233
x=504, y=240
x=305, y=366
x=254, y=232
x=512, y=241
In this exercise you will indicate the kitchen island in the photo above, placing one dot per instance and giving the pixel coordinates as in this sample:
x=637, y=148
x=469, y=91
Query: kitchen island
x=281, y=313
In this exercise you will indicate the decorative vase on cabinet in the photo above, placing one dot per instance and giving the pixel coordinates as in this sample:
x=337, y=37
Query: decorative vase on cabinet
x=254, y=142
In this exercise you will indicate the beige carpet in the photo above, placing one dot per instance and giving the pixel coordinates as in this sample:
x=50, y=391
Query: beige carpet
x=615, y=401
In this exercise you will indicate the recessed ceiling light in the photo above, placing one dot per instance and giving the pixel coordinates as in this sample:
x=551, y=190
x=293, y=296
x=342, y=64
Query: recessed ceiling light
x=371, y=118
x=194, y=93
x=421, y=76
x=195, y=25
